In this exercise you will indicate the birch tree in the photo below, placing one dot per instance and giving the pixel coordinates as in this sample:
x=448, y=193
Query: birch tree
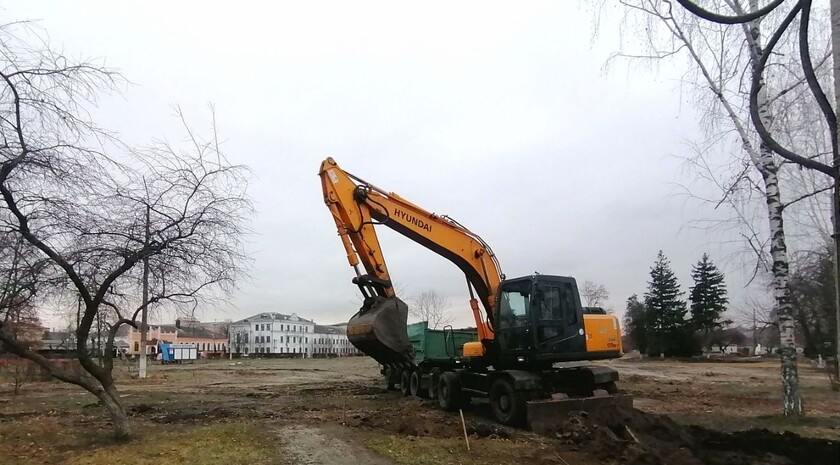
x=828, y=164
x=724, y=61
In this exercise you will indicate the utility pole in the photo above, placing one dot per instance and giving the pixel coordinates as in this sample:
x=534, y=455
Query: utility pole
x=144, y=318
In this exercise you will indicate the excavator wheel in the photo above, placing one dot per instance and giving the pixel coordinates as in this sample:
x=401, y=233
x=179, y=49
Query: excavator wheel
x=507, y=404
x=434, y=379
x=405, y=382
x=389, y=378
x=414, y=384
x=449, y=392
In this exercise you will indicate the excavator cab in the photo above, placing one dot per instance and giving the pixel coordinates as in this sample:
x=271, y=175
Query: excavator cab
x=539, y=321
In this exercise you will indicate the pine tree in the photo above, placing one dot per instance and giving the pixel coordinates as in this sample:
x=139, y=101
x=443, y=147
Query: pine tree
x=635, y=323
x=666, y=323
x=708, y=296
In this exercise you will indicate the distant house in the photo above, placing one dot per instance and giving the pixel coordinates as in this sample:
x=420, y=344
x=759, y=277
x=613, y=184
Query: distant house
x=58, y=342
x=331, y=341
x=211, y=338
x=280, y=335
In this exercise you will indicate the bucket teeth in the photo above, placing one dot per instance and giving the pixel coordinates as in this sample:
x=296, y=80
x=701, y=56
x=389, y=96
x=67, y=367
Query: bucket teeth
x=379, y=330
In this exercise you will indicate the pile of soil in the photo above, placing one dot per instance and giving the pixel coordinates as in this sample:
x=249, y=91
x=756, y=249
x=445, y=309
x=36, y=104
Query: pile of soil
x=410, y=418
x=632, y=437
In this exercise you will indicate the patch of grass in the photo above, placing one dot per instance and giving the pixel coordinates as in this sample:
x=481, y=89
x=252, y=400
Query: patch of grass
x=231, y=444
x=410, y=450
x=48, y=440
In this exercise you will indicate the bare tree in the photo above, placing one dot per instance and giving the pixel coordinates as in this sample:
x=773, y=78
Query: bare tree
x=78, y=201
x=431, y=307
x=595, y=295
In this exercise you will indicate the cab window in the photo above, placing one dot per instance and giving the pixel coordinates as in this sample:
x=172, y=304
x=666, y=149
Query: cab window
x=513, y=309
x=557, y=303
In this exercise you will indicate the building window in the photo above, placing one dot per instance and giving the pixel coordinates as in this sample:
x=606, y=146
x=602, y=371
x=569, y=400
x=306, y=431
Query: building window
x=268, y=327
x=246, y=350
x=268, y=339
x=137, y=347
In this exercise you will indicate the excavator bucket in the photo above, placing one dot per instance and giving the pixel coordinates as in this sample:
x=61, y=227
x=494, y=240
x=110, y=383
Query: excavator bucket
x=379, y=330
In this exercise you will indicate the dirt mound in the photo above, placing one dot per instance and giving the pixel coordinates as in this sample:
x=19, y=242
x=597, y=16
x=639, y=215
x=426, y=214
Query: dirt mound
x=410, y=418
x=185, y=414
x=633, y=437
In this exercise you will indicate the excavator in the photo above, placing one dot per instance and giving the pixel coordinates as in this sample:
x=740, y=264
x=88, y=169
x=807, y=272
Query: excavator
x=532, y=339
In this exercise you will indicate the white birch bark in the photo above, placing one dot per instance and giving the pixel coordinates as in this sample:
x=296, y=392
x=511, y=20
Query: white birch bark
x=769, y=170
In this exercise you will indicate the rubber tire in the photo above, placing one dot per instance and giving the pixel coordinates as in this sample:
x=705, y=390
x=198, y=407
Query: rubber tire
x=388, y=378
x=405, y=381
x=434, y=379
x=507, y=404
x=414, y=384
x=449, y=391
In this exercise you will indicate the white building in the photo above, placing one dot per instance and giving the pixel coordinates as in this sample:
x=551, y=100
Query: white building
x=332, y=341
x=276, y=334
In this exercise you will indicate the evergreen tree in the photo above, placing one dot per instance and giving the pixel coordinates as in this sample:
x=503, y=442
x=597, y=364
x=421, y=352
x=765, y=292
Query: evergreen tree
x=635, y=323
x=708, y=296
x=666, y=324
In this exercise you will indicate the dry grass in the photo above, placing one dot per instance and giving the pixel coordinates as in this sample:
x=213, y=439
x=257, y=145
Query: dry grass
x=48, y=440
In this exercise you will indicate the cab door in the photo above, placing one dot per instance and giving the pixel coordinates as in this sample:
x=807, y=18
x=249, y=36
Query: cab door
x=558, y=318
x=513, y=326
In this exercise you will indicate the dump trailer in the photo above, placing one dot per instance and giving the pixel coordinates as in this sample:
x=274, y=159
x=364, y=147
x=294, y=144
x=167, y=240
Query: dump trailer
x=435, y=351
x=527, y=329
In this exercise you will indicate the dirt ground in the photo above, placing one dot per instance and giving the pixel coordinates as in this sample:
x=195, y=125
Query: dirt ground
x=335, y=412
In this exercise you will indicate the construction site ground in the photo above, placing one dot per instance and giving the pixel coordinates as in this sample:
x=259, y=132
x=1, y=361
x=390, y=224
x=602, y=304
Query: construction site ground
x=335, y=412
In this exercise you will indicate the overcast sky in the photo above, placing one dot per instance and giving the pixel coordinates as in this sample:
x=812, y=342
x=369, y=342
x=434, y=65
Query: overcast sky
x=498, y=114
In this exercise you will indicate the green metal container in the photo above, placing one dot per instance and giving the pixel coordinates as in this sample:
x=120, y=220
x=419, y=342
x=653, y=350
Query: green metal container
x=436, y=345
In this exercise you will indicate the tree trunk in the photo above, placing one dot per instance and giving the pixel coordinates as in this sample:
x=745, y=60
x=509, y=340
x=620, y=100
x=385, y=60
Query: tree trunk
x=769, y=170
x=110, y=399
x=835, y=55
x=835, y=219
x=792, y=400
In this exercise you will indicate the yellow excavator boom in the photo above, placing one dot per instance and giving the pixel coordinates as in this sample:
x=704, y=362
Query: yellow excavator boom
x=357, y=205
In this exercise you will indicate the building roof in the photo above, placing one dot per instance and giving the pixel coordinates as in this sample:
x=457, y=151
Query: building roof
x=329, y=329
x=215, y=330
x=58, y=338
x=273, y=316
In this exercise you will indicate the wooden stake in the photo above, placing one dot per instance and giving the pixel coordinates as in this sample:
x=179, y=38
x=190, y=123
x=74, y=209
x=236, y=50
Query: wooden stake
x=631, y=434
x=464, y=425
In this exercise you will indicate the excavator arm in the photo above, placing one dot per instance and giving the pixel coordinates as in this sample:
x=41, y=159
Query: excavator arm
x=357, y=206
